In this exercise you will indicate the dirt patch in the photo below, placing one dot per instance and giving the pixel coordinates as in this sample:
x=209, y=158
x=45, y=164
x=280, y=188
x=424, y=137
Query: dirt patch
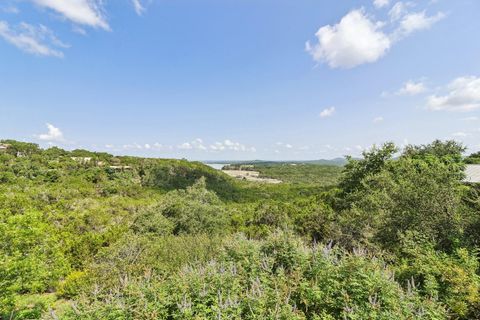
x=250, y=176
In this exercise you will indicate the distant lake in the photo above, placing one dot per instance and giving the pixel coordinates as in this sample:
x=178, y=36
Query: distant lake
x=217, y=166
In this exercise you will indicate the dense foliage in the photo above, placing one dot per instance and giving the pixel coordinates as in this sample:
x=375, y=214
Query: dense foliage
x=301, y=173
x=84, y=235
x=473, y=158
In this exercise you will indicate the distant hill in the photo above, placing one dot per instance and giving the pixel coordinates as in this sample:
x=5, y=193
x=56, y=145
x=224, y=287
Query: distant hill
x=332, y=162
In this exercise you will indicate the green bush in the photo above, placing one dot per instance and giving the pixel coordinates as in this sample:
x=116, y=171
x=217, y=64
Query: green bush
x=450, y=279
x=268, y=280
x=192, y=211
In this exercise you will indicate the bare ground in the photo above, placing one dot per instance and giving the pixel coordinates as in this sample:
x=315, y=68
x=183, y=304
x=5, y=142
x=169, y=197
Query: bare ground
x=250, y=176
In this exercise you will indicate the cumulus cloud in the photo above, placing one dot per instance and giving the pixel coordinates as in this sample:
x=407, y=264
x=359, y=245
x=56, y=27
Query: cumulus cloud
x=327, y=112
x=355, y=40
x=84, y=12
x=381, y=3
x=415, y=22
x=196, y=144
x=462, y=94
x=232, y=146
x=54, y=134
x=185, y=146
x=31, y=39
x=412, y=88
x=359, y=39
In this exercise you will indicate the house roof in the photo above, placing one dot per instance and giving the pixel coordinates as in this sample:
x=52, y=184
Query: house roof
x=473, y=173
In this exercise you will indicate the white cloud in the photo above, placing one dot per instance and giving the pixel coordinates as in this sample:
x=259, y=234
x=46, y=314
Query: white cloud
x=355, y=40
x=377, y=119
x=226, y=145
x=148, y=146
x=463, y=94
x=327, y=112
x=232, y=146
x=35, y=40
x=359, y=39
x=85, y=12
x=398, y=11
x=381, y=3
x=417, y=21
x=139, y=8
x=284, y=145
x=407, y=23
x=412, y=88
x=54, y=134
x=218, y=146
x=196, y=144
x=41, y=40
x=185, y=146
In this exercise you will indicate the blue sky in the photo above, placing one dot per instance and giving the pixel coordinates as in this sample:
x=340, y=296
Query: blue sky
x=250, y=79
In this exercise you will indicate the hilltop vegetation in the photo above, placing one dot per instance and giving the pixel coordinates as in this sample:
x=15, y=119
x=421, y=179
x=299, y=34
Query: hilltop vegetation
x=473, y=158
x=87, y=235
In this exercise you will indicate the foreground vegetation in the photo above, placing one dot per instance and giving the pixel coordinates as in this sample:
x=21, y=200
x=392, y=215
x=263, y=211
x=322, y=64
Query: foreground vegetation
x=91, y=236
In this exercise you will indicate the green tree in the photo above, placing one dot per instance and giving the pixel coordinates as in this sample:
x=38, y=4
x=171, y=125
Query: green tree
x=191, y=211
